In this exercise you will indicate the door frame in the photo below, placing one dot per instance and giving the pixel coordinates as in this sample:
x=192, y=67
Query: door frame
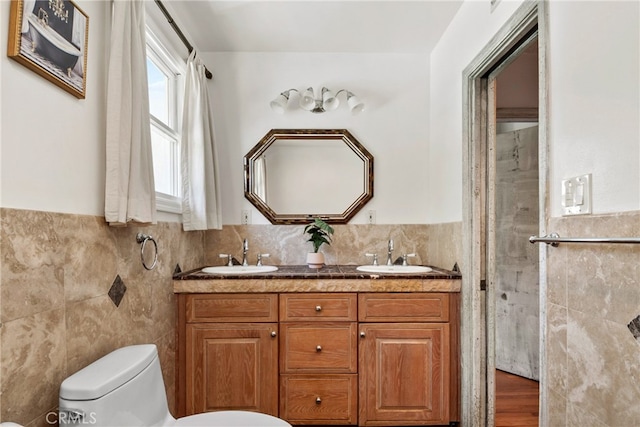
x=477, y=318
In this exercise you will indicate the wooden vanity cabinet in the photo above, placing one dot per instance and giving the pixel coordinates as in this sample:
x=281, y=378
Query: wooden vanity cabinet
x=404, y=359
x=231, y=355
x=369, y=359
x=318, y=359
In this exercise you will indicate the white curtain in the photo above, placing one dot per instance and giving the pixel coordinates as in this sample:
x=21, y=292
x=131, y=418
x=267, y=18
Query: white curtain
x=130, y=190
x=200, y=183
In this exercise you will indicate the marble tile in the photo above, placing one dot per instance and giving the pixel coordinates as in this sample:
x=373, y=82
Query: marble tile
x=163, y=306
x=445, y=245
x=47, y=419
x=315, y=285
x=578, y=416
x=65, y=264
x=605, y=282
x=167, y=355
x=33, y=365
x=287, y=244
x=599, y=286
x=557, y=268
x=91, y=331
x=557, y=409
x=603, y=369
x=32, y=273
x=90, y=256
x=556, y=349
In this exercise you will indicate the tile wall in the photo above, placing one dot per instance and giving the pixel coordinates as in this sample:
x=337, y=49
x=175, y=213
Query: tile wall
x=56, y=316
x=593, y=357
x=437, y=245
x=55, y=312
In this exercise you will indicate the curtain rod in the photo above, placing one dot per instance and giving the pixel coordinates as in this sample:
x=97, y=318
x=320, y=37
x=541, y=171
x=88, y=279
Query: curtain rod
x=179, y=33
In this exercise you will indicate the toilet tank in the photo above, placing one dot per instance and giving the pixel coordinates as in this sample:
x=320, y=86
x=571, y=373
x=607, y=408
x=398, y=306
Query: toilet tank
x=123, y=388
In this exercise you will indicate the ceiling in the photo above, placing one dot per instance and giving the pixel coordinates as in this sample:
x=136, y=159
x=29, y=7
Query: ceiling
x=349, y=26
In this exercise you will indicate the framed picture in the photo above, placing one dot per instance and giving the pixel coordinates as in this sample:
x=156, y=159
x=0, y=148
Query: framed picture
x=51, y=37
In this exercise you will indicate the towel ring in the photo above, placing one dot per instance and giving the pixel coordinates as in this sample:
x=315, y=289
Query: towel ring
x=143, y=238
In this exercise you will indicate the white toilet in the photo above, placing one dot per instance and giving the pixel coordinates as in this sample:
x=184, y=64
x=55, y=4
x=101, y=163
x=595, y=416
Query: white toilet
x=125, y=388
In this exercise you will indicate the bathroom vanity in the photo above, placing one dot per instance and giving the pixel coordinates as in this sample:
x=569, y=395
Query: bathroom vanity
x=333, y=346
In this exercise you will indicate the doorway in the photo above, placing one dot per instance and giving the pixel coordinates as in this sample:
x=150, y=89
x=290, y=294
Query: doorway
x=513, y=190
x=480, y=235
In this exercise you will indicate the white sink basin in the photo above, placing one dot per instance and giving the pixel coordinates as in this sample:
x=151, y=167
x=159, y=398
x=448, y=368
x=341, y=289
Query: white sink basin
x=394, y=269
x=240, y=269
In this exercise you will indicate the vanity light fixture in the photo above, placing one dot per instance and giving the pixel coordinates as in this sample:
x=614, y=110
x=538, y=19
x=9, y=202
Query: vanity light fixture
x=328, y=101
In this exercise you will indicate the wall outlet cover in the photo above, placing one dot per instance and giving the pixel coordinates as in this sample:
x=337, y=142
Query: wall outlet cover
x=371, y=217
x=246, y=217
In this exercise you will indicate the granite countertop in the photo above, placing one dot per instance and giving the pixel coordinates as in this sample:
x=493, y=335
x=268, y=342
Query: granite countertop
x=330, y=278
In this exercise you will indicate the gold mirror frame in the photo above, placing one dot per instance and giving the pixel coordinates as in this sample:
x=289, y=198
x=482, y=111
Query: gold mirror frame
x=312, y=135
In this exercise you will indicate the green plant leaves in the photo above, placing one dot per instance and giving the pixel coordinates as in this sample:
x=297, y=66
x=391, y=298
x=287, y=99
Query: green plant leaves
x=320, y=232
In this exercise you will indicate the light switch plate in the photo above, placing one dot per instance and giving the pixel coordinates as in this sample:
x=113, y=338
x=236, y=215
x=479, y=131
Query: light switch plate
x=576, y=195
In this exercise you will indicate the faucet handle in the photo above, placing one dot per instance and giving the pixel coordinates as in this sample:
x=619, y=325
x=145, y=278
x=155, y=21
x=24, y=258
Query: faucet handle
x=405, y=256
x=260, y=256
x=375, y=258
x=229, y=257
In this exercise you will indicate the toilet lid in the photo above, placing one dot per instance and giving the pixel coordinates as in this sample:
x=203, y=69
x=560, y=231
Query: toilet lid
x=231, y=418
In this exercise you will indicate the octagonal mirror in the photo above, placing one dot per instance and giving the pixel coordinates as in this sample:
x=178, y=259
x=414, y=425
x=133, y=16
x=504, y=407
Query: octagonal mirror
x=293, y=175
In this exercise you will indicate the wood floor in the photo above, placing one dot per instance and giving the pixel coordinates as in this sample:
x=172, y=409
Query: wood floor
x=516, y=401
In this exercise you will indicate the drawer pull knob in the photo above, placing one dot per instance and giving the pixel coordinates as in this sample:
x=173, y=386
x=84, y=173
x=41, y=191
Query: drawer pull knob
x=318, y=348
x=362, y=334
x=318, y=308
x=318, y=400
x=273, y=333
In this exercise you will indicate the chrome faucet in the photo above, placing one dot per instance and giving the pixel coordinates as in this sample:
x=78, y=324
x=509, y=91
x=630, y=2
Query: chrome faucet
x=245, y=249
x=375, y=258
x=389, y=252
x=260, y=256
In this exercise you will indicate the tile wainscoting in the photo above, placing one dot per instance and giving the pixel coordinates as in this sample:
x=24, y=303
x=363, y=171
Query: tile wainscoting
x=593, y=358
x=56, y=315
x=438, y=245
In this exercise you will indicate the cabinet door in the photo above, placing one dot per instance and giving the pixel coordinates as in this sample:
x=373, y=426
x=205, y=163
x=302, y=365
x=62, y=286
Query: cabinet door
x=404, y=374
x=232, y=366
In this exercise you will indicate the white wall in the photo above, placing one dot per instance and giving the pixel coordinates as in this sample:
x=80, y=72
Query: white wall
x=52, y=144
x=594, y=100
x=394, y=126
x=57, y=162
x=470, y=30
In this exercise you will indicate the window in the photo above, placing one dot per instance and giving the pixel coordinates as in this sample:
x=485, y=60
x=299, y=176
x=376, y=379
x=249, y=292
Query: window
x=164, y=74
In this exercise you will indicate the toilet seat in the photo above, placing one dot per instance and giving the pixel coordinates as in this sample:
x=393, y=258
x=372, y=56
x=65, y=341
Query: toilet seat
x=231, y=418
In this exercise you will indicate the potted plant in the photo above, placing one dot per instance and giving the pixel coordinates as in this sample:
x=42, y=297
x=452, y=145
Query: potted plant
x=319, y=232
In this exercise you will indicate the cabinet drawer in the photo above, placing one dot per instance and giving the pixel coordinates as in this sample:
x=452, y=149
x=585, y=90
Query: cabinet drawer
x=325, y=307
x=318, y=347
x=232, y=308
x=407, y=307
x=319, y=399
